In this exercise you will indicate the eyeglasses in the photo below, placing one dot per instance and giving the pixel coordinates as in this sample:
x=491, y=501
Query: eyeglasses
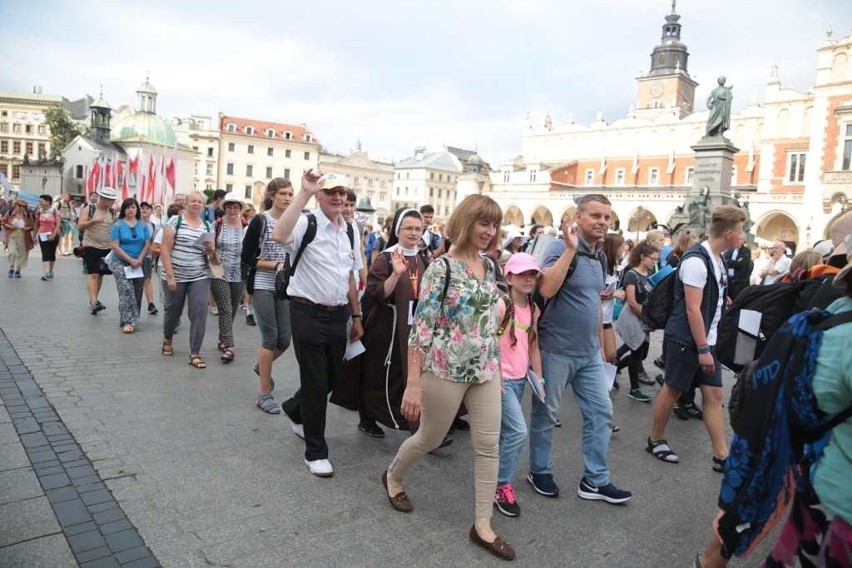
x=412, y=229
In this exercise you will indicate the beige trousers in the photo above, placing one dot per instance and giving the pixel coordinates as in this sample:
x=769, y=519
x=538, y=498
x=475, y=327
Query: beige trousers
x=441, y=400
x=18, y=253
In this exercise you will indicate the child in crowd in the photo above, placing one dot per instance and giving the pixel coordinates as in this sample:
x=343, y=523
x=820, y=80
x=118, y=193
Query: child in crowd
x=519, y=353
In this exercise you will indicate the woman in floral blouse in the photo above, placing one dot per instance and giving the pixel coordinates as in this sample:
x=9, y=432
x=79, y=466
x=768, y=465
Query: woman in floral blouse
x=453, y=357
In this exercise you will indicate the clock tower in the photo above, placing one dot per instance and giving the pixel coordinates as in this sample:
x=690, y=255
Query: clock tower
x=667, y=87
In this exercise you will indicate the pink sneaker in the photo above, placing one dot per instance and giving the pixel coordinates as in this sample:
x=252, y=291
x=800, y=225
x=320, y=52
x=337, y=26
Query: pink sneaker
x=504, y=500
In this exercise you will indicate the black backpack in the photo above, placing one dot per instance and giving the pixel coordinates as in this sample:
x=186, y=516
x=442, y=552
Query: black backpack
x=776, y=302
x=658, y=307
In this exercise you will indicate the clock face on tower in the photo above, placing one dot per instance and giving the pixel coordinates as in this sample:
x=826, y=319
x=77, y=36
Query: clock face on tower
x=657, y=89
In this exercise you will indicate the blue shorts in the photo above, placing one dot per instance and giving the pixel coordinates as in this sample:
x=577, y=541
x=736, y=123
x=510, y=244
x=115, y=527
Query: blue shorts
x=683, y=371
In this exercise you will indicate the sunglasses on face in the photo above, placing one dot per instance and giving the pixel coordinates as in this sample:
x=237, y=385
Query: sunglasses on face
x=133, y=231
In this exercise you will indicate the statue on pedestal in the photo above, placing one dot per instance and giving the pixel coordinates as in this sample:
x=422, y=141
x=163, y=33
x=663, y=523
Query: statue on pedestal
x=719, y=103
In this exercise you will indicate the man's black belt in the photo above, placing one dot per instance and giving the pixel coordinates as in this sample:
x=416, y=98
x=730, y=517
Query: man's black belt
x=322, y=307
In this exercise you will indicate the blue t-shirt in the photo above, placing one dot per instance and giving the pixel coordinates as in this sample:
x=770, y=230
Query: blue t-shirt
x=130, y=239
x=571, y=323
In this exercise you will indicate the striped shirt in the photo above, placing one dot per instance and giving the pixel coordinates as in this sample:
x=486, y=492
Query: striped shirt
x=189, y=258
x=230, y=246
x=264, y=279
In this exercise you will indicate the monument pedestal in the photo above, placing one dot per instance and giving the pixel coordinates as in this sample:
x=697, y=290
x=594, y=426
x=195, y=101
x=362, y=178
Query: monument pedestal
x=711, y=185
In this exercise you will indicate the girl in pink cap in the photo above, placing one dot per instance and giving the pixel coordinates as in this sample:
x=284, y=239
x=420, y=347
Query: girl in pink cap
x=520, y=361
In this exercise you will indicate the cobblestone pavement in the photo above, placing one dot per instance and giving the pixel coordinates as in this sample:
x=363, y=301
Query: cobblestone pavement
x=111, y=454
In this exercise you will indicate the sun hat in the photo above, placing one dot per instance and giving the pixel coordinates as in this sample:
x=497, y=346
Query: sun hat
x=232, y=197
x=511, y=236
x=108, y=193
x=521, y=262
x=840, y=278
x=823, y=248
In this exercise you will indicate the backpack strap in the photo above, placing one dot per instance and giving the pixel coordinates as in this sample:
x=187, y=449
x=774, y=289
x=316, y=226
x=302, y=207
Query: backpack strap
x=310, y=233
x=350, y=232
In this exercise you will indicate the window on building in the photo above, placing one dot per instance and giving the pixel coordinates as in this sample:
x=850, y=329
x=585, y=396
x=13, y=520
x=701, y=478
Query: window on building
x=41, y=129
x=29, y=148
x=78, y=171
x=533, y=174
x=4, y=127
x=16, y=128
x=733, y=175
x=229, y=187
x=307, y=155
x=507, y=176
x=209, y=169
x=654, y=176
x=847, y=149
x=440, y=193
x=287, y=153
x=382, y=184
x=16, y=172
x=195, y=168
x=431, y=192
x=286, y=173
x=688, y=179
x=250, y=149
x=406, y=192
x=232, y=127
x=796, y=167
x=4, y=169
x=590, y=177
x=270, y=133
x=431, y=175
x=229, y=169
x=355, y=180
x=16, y=147
x=4, y=146
x=248, y=192
x=619, y=176
x=268, y=172
x=288, y=135
x=210, y=151
x=308, y=138
x=269, y=151
x=249, y=170
x=231, y=147
x=28, y=128
x=249, y=130
x=370, y=182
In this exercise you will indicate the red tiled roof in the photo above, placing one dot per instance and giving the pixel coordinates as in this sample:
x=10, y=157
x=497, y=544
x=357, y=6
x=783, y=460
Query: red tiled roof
x=261, y=126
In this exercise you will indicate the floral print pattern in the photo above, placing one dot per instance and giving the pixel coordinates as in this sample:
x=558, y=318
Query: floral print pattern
x=457, y=334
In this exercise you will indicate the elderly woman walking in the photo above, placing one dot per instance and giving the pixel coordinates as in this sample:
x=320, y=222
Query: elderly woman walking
x=17, y=236
x=187, y=241
x=228, y=289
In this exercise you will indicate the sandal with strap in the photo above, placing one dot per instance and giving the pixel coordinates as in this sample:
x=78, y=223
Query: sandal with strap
x=127, y=328
x=221, y=346
x=266, y=403
x=227, y=355
x=197, y=362
x=660, y=449
x=719, y=464
x=168, y=350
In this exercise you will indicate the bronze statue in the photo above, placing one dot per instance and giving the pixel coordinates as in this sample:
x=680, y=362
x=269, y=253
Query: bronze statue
x=719, y=103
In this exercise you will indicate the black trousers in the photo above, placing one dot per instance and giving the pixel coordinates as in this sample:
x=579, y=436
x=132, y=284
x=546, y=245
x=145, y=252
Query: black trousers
x=319, y=341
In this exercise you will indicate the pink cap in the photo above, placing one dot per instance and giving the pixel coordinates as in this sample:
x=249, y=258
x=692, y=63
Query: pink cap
x=521, y=262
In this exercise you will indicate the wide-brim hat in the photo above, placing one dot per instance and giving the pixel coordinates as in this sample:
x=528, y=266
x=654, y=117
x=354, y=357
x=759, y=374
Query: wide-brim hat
x=511, y=236
x=108, y=193
x=232, y=197
x=840, y=278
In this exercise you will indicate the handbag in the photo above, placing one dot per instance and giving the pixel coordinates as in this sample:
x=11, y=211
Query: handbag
x=215, y=264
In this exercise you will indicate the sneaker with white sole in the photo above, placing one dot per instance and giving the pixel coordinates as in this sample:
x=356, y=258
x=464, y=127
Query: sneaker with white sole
x=320, y=468
x=609, y=492
x=505, y=500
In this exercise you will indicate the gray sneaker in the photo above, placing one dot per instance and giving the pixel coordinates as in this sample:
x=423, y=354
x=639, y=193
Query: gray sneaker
x=638, y=394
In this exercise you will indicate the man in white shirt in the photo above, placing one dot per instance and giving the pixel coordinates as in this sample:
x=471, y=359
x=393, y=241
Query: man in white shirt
x=778, y=265
x=700, y=295
x=323, y=297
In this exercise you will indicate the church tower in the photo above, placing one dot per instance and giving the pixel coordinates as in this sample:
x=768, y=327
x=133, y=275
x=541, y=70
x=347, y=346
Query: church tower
x=147, y=98
x=667, y=86
x=101, y=114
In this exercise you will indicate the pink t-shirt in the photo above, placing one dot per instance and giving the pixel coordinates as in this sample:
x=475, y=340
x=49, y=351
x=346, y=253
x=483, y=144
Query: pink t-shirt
x=46, y=221
x=515, y=361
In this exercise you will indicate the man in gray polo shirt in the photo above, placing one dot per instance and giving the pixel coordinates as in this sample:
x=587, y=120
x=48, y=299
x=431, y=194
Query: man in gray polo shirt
x=569, y=336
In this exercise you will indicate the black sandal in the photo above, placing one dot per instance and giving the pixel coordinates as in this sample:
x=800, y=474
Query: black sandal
x=660, y=449
x=719, y=464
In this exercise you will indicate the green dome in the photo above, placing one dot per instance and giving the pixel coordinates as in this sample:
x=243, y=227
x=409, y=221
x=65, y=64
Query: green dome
x=143, y=127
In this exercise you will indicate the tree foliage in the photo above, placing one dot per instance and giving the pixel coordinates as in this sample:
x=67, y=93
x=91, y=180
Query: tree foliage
x=62, y=129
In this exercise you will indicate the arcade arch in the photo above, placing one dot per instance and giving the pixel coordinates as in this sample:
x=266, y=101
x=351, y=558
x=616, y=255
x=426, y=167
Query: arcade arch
x=778, y=226
x=542, y=216
x=513, y=216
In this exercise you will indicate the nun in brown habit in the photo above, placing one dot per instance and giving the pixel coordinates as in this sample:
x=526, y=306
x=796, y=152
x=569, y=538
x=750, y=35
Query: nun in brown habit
x=373, y=383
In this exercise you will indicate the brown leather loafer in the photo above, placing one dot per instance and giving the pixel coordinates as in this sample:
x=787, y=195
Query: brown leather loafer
x=400, y=501
x=499, y=548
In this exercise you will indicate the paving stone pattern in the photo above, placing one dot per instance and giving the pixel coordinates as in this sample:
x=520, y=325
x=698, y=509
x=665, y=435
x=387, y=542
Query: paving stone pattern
x=115, y=436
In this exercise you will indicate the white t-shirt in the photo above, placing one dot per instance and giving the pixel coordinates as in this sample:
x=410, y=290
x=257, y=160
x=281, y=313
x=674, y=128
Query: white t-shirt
x=693, y=272
x=782, y=265
x=608, y=306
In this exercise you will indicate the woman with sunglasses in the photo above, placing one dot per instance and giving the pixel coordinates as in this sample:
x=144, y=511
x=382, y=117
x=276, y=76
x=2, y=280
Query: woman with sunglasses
x=129, y=239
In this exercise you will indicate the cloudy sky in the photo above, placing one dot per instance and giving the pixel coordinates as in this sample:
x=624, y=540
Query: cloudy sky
x=406, y=73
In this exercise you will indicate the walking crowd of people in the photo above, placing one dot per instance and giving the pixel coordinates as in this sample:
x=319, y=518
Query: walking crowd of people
x=416, y=327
